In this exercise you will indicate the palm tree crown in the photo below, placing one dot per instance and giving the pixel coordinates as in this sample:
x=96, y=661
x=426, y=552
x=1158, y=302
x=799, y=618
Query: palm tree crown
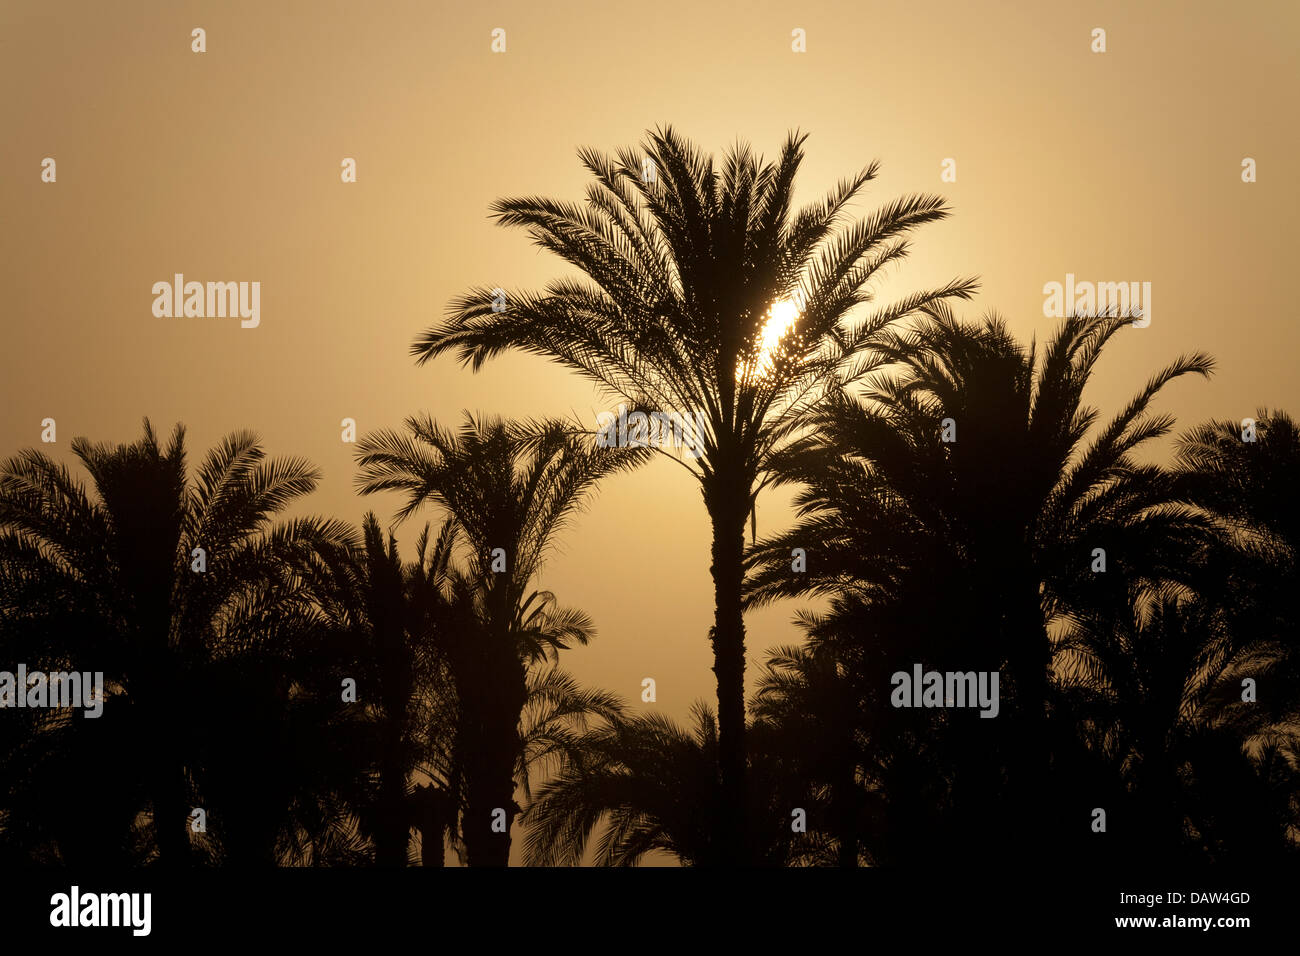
x=705, y=292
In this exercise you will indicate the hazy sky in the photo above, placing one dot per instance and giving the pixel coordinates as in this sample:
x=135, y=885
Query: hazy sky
x=225, y=166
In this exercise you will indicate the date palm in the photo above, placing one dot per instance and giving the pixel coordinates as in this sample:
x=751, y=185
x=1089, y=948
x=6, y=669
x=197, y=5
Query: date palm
x=808, y=704
x=705, y=292
x=167, y=584
x=641, y=783
x=1243, y=474
x=386, y=620
x=1160, y=681
x=1004, y=514
x=1247, y=486
x=509, y=488
x=644, y=782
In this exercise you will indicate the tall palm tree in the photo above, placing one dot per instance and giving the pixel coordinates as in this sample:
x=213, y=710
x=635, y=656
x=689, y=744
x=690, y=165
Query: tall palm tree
x=1005, y=517
x=166, y=583
x=509, y=488
x=705, y=293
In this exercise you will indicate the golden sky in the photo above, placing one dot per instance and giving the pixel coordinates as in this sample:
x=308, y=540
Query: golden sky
x=224, y=166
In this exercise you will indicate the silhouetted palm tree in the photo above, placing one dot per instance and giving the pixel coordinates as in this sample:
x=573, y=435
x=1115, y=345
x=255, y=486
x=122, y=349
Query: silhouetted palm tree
x=641, y=783
x=1248, y=482
x=509, y=488
x=1248, y=487
x=957, y=502
x=651, y=783
x=387, y=621
x=1243, y=474
x=1153, y=665
x=808, y=707
x=695, y=272
x=1162, y=699
x=558, y=712
x=117, y=583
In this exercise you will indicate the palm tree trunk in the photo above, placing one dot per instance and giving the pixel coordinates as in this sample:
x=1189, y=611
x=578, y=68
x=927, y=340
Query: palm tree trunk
x=170, y=792
x=846, y=822
x=728, y=509
x=428, y=808
x=392, y=835
x=1035, y=746
x=490, y=767
x=171, y=812
x=432, y=847
x=848, y=852
x=491, y=785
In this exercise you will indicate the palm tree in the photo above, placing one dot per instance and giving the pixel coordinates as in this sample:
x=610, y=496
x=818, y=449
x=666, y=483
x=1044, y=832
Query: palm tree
x=1243, y=474
x=1247, y=488
x=1247, y=482
x=1160, y=682
x=1005, y=517
x=386, y=619
x=808, y=706
x=649, y=781
x=394, y=669
x=557, y=713
x=166, y=584
x=283, y=773
x=642, y=783
x=707, y=294
x=509, y=488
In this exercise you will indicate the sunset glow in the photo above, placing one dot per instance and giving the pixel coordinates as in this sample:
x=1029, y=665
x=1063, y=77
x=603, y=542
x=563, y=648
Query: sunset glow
x=782, y=317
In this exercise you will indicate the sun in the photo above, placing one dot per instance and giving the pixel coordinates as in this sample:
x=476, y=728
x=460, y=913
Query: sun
x=781, y=318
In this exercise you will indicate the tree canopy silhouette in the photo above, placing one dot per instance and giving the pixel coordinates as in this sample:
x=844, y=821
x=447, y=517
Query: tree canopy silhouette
x=692, y=267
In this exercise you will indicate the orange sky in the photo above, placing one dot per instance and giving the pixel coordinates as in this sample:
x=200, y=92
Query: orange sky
x=224, y=166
